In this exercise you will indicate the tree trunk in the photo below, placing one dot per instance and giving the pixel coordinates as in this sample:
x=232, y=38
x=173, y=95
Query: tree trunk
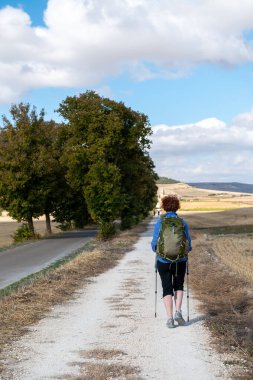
x=30, y=224
x=48, y=224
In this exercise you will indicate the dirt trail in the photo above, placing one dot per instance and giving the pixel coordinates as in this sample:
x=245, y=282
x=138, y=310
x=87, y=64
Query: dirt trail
x=116, y=312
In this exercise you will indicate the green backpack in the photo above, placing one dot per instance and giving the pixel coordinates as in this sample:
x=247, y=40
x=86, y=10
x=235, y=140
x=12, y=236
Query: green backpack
x=171, y=242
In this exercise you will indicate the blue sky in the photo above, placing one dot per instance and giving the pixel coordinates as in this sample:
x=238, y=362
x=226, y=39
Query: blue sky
x=188, y=67
x=34, y=8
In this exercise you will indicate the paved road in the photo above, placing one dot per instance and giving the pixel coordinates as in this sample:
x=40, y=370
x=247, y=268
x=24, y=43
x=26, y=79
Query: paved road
x=19, y=262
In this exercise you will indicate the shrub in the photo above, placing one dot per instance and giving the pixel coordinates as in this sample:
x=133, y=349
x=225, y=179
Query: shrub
x=106, y=230
x=24, y=233
x=66, y=226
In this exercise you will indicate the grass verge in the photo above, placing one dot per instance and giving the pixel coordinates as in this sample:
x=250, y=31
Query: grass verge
x=31, y=300
x=226, y=299
x=227, y=230
x=24, y=282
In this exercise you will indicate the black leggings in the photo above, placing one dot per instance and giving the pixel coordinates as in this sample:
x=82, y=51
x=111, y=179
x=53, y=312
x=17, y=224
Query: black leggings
x=172, y=276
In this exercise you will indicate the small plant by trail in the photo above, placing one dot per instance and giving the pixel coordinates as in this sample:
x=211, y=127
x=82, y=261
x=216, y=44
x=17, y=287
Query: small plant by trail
x=24, y=233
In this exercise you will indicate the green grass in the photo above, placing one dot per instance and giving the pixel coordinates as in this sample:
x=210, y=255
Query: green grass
x=89, y=246
x=228, y=230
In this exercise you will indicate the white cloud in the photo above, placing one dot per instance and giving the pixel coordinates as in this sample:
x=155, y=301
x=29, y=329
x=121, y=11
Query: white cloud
x=84, y=41
x=209, y=150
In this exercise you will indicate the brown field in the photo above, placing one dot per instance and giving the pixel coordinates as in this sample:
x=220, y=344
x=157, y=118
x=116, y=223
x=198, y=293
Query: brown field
x=237, y=253
x=230, y=234
x=194, y=199
x=225, y=295
x=236, y=217
x=7, y=229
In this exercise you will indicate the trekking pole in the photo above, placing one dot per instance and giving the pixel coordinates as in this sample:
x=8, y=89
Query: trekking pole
x=188, y=295
x=155, y=290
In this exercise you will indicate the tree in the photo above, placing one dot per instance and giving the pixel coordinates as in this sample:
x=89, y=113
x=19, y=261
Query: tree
x=30, y=173
x=107, y=144
x=90, y=152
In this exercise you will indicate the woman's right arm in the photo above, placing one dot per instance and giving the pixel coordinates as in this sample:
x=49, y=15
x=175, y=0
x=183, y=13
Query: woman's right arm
x=156, y=235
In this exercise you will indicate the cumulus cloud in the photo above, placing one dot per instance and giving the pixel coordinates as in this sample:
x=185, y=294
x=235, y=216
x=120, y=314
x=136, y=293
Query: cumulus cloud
x=209, y=150
x=83, y=41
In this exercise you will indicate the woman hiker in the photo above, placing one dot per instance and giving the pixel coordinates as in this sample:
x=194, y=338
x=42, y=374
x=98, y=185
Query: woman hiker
x=171, y=242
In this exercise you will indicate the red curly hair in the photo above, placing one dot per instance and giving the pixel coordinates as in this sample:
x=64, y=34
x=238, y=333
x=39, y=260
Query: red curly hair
x=170, y=203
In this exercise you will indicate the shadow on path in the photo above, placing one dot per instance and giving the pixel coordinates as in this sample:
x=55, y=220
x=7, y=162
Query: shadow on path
x=195, y=320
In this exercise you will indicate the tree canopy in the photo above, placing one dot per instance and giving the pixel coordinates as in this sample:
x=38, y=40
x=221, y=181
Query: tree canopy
x=29, y=170
x=110, y=141
x=93, y=166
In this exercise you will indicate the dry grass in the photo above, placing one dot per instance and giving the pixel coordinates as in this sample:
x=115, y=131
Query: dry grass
x=237, y=253
x=239, y=217
x=104, y=364
x=99, y=371
x=226, y=299
x=30, y=303
x=101, y=353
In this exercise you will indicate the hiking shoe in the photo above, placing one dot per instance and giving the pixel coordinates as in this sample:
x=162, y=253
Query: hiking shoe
x=179, y=318
x=170, y=323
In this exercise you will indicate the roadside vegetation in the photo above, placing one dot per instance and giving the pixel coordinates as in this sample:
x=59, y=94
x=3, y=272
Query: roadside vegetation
x=93, y=167
x=221, y=275
x=166, y=180
x=24, y=233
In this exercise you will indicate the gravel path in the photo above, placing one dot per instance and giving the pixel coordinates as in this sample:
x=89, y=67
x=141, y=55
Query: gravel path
x=116, y=312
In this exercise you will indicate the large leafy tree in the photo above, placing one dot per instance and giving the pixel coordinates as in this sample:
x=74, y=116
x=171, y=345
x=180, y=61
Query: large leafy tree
x=30, y=174
x=91, y=149
x=107, y=156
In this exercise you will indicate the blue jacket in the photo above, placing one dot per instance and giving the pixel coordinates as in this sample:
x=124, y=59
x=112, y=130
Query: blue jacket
x=157, y=232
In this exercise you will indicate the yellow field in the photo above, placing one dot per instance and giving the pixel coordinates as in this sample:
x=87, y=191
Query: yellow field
x=209, y=205
x=193, y=199
x=237, y=253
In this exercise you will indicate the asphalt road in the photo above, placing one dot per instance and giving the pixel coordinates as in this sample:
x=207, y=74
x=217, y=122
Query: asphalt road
x=17, y=263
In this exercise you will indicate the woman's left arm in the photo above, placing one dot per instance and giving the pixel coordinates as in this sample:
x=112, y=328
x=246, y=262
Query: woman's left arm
x=187, y=235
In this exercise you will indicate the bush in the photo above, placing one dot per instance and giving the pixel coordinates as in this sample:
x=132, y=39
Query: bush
x=106, y=230
x=24, y=233
x=66, y=226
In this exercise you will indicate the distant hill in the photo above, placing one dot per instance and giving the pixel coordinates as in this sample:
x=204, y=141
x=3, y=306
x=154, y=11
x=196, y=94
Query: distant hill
x=224, y=186
x=166, y=180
